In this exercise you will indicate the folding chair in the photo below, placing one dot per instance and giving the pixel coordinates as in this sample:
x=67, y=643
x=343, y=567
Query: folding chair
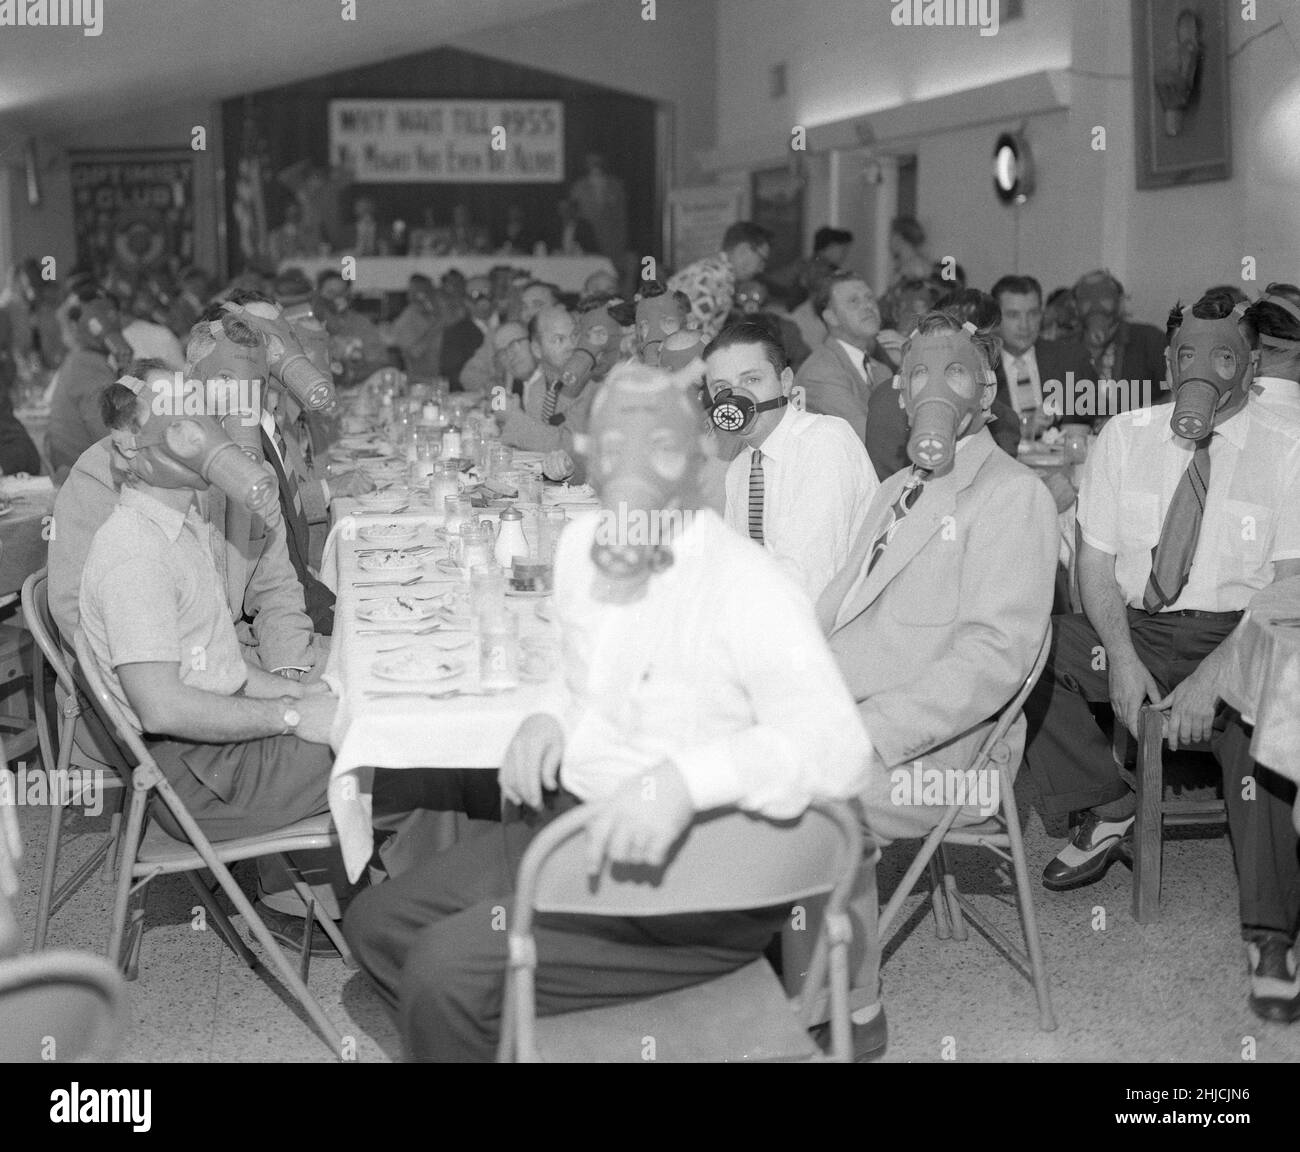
x=1002, y=836
x=60, y=1006
x=726, y=862
x=62, y=734
x=1153, y=810
x=155, y=853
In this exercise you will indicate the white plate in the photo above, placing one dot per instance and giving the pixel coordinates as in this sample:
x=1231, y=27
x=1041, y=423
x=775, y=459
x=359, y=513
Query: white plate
x=461, y=621
x=527, y=595
x=362, y=443
x=417, y=668
x=446, y=565
x=386, y=533
x=389, y=562
x=390, y=610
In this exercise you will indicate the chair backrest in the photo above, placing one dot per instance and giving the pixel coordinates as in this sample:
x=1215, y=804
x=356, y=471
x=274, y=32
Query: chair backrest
x=40, y=623
x=60, y=1006
x=128, y=740
x=725, y=862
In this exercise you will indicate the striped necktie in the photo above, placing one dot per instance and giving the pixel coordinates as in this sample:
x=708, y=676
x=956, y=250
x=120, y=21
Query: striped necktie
x=549, y=402
x=907, y=498
x=1171, y=558
x=1023, y=387
x=756, y=496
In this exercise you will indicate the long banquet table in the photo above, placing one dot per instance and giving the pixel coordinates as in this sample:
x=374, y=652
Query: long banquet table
x=467, y=731
x=377, y=274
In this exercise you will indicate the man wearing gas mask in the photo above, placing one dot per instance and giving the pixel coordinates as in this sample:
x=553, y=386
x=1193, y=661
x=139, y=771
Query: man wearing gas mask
x=677, y=695
x=1186, y=510
x=99, y=351
x=938, y=615
x=1118, y=349
x=802, y=486
x=550, y=410
x=659, y=313
x=355, y=342
x=245, y=340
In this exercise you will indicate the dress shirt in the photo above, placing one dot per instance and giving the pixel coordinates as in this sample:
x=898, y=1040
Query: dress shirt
x=720, y=668
x=150, y=593
x=818, y=483
x=1023, y=367
x=1277, y=394
x=858, y=358
x=1252, y=507
x=710, y=284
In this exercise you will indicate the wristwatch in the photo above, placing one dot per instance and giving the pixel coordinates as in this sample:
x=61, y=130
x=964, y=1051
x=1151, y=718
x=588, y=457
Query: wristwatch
x=292, y=719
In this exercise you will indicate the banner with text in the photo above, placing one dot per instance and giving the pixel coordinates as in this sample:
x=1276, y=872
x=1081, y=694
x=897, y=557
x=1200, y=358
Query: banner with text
x=449, y=141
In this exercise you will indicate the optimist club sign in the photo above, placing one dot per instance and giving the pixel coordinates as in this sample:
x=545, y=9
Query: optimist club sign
x=449, y=141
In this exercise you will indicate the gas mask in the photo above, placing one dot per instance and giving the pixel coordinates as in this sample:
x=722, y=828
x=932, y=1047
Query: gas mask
x=1098, y=302
x=311, y=335
x=657, y=318
x=943, y=379
x=234, y=375
x=734, y=410
x=644, y=450
x=1210, y=367
x=99, y=329
x=178, y=448
x=597, y=349
x=1279, y=341
x=290, y=365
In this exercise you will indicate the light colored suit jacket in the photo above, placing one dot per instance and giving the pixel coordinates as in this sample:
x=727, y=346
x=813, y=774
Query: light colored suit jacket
x=833, y=386
x=260, y=580
x=944, y=631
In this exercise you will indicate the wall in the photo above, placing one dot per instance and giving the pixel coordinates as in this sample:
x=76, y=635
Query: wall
x=671, y=58
x=844, y=58
x=47, y=230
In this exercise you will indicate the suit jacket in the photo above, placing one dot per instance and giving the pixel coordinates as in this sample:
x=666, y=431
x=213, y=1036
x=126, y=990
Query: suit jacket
x=318, y=599
x=459, y=342
x=264, y=598
x=1139, y=355
x=944, y=631
x=834, y=387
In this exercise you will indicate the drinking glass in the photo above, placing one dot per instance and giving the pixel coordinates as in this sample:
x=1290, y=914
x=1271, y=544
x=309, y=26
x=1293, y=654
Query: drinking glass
x=475, y=547
x=539, y=658
x=529, y=485
x=498, y=650
x=1028, y=429
x=499, y=458
x=1076, y=443
x=456, y=511
x=487, y=589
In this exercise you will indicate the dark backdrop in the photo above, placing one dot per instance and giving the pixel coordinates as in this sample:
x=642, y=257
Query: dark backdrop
x=291, y=123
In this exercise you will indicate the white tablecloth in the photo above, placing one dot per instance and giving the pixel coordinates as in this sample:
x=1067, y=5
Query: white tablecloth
x=390, y=273
x=409, y=732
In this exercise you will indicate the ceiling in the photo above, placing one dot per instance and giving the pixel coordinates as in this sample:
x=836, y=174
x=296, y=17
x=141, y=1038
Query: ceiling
x=54, y=81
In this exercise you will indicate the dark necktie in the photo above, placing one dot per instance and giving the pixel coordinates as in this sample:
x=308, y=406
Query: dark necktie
x=1171, y=558
x=291, y=480
x=548, y=403
x=905, y=502
x=756, y=496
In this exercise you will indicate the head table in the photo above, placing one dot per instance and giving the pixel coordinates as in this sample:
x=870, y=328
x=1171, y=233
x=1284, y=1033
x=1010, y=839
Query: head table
x=470, y=730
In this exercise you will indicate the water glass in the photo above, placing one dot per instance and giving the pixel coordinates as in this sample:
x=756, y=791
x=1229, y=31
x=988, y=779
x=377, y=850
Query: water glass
x=475, y=547
x=1076, y=443
x=539, y=659
x=487, y=590
x=529, y=485
x=499, y=458
x=1028, y=429
x=498, y=650
x=456, y=511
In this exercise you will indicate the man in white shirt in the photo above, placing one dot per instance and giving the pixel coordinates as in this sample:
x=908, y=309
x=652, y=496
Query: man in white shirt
x=803, y=486
x=1275, y=316
x=698, y=681
x=839, y=378
x=1185, y=512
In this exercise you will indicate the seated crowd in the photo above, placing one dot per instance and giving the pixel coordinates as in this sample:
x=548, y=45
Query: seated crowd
x=863, y=578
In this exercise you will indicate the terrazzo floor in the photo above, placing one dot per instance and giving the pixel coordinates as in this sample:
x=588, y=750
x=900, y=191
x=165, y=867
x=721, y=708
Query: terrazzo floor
x=1170, y=991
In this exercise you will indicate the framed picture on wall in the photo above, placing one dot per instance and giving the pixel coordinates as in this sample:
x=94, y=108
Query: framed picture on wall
x=1180, y=95
x=133, y=213
x=777, y=203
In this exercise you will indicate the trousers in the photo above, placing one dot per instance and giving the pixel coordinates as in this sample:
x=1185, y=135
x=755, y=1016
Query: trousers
x=1074, y=769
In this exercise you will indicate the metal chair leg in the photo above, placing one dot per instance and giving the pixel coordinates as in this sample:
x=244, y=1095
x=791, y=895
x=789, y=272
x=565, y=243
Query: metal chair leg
x=48, y=872
x=939, y=901
x=1148, y=828
x=130, y=845
x=1025, y=898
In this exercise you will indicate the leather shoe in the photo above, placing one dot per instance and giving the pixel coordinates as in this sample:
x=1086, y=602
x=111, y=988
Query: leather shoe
x=868, y=1040
x=1095, y=845
x=1274, y=982
x=289, y=930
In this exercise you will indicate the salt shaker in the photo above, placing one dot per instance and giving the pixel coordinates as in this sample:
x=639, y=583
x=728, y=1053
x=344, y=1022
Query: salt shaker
x=511, y=541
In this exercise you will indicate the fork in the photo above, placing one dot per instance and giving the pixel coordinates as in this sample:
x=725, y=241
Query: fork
x=388, y=583
x=448, y=695
x=398, y=631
